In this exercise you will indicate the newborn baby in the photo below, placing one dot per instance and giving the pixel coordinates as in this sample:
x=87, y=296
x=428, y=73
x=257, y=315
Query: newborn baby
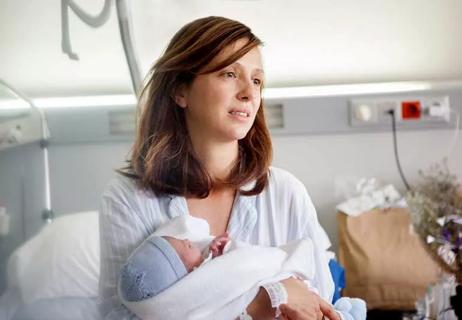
x=159, y=262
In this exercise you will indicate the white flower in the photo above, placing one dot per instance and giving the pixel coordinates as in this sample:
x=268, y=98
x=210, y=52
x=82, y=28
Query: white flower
x=446, y=253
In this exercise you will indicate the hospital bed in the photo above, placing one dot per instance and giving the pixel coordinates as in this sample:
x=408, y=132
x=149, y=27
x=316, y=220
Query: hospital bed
x=45, y=281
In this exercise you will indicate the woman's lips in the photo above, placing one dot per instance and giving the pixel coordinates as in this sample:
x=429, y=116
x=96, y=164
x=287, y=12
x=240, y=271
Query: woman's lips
x=241, y=116
x=240, y=113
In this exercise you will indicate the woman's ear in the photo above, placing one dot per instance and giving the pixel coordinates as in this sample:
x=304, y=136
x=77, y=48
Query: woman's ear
x=180, y=97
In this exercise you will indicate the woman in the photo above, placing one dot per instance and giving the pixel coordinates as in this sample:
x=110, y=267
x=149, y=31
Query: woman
x=202, y=148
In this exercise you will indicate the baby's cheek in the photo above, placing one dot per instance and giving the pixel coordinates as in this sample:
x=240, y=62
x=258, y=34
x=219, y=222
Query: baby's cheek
x=188, y=264
x=190, y=261
x=198, y=258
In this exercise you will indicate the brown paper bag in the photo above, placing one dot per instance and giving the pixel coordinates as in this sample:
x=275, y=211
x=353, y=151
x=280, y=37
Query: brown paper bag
x=385, y=264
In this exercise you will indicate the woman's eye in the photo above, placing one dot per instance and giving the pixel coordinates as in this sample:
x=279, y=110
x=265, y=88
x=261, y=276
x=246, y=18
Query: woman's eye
x=230, y=74
x=257, y=82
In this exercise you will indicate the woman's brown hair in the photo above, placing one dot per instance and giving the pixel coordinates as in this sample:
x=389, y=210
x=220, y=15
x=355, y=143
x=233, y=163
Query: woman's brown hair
x=162, y=157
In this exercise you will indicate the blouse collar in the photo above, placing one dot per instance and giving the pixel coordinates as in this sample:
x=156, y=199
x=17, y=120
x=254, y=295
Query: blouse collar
x=243, y=213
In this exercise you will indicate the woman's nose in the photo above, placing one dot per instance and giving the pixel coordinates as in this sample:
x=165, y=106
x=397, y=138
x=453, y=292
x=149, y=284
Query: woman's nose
x=247, y=91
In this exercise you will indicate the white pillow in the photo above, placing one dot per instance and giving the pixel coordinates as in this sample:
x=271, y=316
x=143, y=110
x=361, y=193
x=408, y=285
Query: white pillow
x=62, y=260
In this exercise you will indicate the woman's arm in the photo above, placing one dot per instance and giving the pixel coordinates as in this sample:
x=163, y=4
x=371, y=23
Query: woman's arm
x=120, y=232
x=303, y=304
x=260, y=307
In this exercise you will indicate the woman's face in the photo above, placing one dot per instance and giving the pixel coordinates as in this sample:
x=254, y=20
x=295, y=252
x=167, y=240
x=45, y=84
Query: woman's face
x=221, y=106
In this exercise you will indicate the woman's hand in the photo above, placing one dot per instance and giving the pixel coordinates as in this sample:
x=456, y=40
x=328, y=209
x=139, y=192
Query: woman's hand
x=304, y=304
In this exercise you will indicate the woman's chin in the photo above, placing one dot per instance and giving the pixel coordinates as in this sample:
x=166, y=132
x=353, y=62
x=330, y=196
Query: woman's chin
x=238, y=133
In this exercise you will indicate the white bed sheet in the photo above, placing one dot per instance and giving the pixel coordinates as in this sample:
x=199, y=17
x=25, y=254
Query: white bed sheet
x=65, y=308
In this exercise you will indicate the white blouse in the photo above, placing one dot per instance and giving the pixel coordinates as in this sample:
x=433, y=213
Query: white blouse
x=282, y=212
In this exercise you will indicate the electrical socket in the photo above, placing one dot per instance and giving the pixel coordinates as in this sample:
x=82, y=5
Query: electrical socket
x=432, y=109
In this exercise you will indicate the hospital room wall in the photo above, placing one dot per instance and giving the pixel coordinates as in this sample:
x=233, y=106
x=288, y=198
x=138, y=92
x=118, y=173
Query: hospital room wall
x=321, y=161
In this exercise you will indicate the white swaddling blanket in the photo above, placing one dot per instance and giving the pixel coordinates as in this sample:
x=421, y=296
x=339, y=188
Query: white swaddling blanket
x=216, y=289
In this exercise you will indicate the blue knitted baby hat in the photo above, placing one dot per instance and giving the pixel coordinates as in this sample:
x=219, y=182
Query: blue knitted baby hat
x=151, y=268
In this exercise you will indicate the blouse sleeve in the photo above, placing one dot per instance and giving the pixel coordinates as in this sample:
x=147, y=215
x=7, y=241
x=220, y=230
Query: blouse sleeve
x=121, y=231
x=309, y=227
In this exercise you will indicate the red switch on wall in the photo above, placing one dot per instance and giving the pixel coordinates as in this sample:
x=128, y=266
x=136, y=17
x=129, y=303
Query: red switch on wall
x=411, y=110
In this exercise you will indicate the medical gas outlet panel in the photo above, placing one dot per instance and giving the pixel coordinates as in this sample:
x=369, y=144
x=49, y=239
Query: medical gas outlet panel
x=418, y=111
x=19, y=130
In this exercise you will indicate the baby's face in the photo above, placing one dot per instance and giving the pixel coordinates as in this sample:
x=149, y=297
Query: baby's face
x=189, y=253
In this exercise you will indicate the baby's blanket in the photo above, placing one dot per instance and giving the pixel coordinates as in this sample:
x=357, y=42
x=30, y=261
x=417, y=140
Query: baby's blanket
x=223, y=287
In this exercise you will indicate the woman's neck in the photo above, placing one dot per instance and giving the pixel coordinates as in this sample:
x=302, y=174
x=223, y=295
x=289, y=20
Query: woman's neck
x=217, y=158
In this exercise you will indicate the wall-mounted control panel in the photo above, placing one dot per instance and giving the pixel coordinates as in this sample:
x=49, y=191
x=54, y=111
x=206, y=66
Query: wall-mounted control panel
x=415, y=110
x=19, y=130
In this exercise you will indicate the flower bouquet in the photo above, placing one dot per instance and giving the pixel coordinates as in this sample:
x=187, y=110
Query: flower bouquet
x=435, y=204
